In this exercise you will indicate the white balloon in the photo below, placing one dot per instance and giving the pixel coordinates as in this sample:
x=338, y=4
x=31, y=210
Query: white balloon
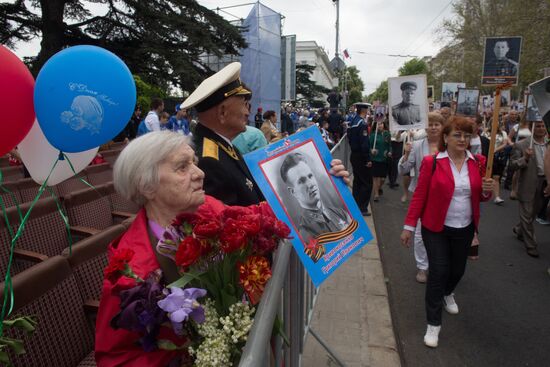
x=39, y=155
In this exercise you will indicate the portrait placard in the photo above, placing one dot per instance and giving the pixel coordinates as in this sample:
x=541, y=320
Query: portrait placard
x=408, y=102
x=467, y=102
x=540, y=91
x=501, y=60
x=449, y=91
x=430, y=92
x=532, y=113
x=327, y=227
x=380, y=110
x=486, y=103
x=505, y=96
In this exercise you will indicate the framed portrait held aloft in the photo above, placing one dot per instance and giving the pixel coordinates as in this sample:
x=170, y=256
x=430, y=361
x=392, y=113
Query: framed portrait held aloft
x=540, y=92
x=430, y=92
x=326, y=224
x=501, y=60
x=467, y=102
x=449, y=91
x=408, y=102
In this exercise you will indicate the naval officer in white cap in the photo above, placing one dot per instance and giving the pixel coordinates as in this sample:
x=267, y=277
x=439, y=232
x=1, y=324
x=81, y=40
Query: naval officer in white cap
x=222, y=103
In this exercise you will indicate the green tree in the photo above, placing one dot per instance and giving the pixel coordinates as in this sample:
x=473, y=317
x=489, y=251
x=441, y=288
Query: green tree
x=307, y=88
x=146, y=92
x=380, y=94
x=413, y=67
x=353, y=84
x=159, y=40
x=462, y=57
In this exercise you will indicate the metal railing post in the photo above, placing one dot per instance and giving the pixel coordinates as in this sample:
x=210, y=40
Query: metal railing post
x=260, y=334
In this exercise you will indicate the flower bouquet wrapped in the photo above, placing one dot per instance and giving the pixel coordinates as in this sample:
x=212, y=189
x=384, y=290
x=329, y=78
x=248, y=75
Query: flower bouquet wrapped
x=224, y=262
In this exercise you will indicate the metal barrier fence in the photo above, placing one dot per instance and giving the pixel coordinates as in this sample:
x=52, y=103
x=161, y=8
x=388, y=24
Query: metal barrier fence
x=289, y=296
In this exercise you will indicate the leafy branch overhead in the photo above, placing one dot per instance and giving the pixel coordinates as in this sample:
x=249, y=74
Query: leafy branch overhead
x=159, y=40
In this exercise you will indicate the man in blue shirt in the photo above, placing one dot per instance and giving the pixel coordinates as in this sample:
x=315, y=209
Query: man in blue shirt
x=179, y=122
x=358, y=138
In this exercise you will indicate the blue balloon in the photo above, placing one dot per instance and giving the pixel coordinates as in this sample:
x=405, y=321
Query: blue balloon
x=83, y=97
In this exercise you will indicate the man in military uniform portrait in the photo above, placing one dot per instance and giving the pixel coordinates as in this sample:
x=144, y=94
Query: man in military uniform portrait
x=467, y=102
x=406, y=112
x=500, y=64
x=317, y=216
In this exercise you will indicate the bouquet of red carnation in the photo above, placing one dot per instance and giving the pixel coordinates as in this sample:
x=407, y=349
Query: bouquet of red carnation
x=223, y=258
x=228, y=254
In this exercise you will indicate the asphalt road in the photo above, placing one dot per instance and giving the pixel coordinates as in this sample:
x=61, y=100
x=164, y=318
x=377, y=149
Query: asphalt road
x=504, y=297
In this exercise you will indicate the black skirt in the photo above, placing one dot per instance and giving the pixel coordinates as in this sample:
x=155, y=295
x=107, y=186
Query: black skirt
x=379, y=169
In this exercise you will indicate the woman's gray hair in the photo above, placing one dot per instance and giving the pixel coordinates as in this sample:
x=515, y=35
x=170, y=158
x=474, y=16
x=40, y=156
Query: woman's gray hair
x=136, y=168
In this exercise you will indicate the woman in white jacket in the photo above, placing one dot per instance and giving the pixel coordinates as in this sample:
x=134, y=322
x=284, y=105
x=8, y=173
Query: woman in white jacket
x=411, y=160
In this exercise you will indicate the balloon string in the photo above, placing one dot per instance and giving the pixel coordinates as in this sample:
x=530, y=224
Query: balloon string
x=65, y=218
x=64, y=156
x=14, y=198
x=8, y=288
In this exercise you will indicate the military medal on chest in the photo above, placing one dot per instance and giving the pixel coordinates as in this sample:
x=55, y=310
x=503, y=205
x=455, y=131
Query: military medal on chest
x=249, y=184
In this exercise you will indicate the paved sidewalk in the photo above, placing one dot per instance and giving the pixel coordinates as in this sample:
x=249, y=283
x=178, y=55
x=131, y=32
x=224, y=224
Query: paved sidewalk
x=352, y=315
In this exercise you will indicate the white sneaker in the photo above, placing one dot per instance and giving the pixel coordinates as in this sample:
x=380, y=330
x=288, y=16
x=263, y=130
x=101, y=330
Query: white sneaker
x=542, y=221
x=498, y=200
x=450, y=304
x=432, y=336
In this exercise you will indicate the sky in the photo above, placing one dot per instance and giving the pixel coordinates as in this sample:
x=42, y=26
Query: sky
x=369, y=29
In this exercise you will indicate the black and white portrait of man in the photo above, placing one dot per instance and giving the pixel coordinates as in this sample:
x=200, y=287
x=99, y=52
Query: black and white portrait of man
x=501, y=60
x=408, y=99
x=305, y=190
x=467, y=102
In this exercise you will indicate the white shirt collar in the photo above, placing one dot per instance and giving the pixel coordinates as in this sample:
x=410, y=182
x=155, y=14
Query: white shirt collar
x=445, y=154
x=224, y=138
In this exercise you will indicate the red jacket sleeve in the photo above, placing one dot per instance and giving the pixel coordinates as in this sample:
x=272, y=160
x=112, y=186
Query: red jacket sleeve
x=418, y=201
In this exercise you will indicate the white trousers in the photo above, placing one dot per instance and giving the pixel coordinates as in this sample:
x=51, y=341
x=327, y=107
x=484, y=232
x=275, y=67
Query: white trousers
x=420, y=254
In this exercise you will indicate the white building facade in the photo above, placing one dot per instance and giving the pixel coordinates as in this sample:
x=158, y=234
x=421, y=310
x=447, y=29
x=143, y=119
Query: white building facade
x=308, y=52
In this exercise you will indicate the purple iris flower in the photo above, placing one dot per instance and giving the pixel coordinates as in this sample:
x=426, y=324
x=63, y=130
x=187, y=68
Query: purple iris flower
x=181, y=304
x=140, y=313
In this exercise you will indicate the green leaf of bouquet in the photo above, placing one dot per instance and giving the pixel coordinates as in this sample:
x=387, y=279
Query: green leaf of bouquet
x=185, y=279
x=4, y=358
x=25, y=323
x=15, y=344
x=168, y=345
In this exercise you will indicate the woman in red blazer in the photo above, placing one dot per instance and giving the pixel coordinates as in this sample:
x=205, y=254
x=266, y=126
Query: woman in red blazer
x=450, y=188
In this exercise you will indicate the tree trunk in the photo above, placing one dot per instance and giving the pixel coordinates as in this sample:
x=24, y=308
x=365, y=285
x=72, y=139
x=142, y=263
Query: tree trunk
x=53, y=29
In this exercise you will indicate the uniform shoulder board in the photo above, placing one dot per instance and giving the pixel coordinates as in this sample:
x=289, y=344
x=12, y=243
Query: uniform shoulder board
x=210, y=149
x=515, y=63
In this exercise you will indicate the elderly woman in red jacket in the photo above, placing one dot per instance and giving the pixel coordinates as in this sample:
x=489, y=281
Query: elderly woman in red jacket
x=447, y=198
x=158, y=172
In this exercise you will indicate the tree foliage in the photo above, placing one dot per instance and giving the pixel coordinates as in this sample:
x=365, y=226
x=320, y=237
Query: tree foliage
x=354, y=85
x=413, y=67
x=159, y=40
x=462, y=57
x=305, y=86
x=380, y=94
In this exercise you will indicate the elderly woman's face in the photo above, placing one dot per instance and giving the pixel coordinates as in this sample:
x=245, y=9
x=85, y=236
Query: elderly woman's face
x=180, y=182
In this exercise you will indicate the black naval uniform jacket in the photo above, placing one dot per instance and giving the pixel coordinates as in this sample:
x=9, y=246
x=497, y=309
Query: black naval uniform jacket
x=227, y=177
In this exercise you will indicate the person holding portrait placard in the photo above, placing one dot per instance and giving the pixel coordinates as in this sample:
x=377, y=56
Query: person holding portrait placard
x=528, y=158
x=451, y=185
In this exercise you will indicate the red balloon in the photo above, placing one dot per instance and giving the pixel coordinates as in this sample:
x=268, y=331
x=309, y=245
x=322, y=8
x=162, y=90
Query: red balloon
x=16, y=100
